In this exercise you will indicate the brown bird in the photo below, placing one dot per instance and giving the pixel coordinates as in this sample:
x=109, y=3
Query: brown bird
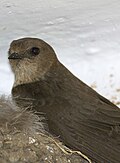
x=82, y=118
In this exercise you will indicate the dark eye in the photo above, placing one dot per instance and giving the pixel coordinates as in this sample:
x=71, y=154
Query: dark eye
x=35, y=51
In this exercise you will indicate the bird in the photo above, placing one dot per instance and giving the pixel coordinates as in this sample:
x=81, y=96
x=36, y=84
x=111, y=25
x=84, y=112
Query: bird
x=79, y=116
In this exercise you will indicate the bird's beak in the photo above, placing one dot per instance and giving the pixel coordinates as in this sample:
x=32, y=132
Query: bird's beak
x=15, y=56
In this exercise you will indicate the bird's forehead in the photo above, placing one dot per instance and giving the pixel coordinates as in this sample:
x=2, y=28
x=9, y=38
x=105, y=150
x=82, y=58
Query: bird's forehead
x=22, y=44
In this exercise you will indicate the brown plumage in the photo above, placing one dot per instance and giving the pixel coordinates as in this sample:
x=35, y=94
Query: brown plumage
x=83, y=119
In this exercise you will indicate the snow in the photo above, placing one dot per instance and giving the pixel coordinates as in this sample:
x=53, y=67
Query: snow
x=85, y=35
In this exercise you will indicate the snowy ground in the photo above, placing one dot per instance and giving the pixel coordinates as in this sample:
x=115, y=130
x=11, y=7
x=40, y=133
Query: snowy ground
x=85, y=35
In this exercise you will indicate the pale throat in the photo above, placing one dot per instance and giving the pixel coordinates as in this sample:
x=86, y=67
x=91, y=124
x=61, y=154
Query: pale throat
x=26, y=74
x=29, y=72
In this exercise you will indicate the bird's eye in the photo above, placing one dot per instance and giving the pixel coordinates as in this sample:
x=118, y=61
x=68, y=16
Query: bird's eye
x=35, y=51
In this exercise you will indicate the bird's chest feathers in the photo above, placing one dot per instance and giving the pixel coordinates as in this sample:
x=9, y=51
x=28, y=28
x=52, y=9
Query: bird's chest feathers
x=35, y=93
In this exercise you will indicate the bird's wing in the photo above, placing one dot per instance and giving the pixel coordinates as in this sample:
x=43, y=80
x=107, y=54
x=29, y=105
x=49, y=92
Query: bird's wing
x=95, y=129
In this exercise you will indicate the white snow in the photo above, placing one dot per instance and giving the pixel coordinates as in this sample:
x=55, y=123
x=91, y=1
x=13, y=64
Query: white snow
x=85, y=35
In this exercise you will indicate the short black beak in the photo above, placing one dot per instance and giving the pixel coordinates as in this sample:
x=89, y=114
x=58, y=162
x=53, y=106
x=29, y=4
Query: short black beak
x=15, y=56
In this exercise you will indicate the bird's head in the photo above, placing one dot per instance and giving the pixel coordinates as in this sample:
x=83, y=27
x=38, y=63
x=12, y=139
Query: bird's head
x=30, y=59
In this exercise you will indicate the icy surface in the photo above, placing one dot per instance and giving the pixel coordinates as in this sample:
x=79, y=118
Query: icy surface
x=85, y=35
